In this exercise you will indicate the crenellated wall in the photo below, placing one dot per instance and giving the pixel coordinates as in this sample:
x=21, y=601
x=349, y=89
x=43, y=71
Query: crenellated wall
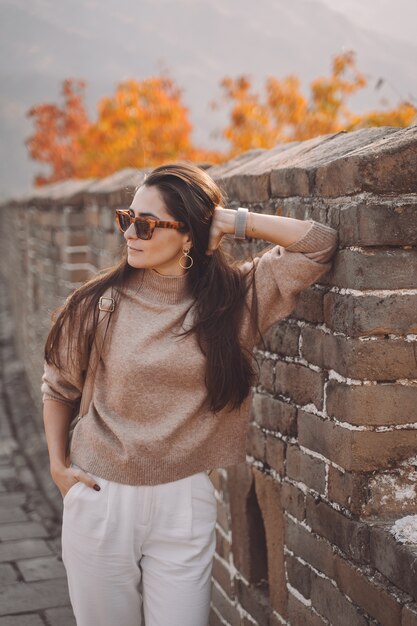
x=309, y=529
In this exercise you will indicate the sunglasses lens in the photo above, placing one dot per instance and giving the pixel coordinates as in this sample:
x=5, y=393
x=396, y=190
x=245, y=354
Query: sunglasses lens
x=143, y=230
x=142, y=227
x=124, y=221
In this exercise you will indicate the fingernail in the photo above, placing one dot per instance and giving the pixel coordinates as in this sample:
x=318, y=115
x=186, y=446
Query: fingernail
x=97, y=487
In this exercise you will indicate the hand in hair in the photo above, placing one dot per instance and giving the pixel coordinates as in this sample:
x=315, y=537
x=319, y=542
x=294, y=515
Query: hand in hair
x=222, y=224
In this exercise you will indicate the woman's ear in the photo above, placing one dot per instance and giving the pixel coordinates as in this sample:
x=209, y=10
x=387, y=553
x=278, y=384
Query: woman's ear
x=187, y=241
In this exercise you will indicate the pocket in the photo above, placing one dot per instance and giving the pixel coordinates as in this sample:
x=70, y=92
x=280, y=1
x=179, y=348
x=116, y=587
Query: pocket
x=86, y=510
x=203, y=487
x=204, y=504
x=70, y=492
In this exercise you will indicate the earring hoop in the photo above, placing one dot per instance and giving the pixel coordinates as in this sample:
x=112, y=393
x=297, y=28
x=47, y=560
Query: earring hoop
x=187, y=256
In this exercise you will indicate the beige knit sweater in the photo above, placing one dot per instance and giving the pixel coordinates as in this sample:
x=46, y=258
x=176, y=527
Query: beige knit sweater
x=148, y=421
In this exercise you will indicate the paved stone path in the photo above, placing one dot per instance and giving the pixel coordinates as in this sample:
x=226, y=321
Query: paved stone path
x=33, y=584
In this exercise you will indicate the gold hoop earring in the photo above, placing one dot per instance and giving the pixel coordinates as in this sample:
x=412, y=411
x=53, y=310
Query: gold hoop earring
x=187, y=256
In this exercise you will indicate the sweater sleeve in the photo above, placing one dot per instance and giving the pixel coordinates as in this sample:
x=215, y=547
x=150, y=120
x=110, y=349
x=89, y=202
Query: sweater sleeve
x=63, y=384
x=281, y=274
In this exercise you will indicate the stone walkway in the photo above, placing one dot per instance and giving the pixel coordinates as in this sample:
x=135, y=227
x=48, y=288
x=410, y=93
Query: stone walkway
x=33, y=584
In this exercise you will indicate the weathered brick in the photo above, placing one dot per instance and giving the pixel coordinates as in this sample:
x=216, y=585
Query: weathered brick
x=214, y=618
x=255, y=442
x=409, y=615
x=72, y=237
x=373, y=268
x=274, y=414
x=74, y=273
x=248, y=536
x=114, y=244
x=301, y=615
x=275, y=453
x=274, y=620
x=268, y=492
x=240, y=182
x=355, y=450
x=379, y=222
x=370, y=315
x=382, y=404
x=310, y=304
x=72, y=218
x=223, y=547
x=282, y=338
x=379, y=358
x=227, y=609
x=372, y=597
x=254, y=600
x=300, y=383
x=107, y=218
x=298, y=575
x=347, y=489
x=396, y=561
x=293, y=500
x=310, y=547
x=333, y=605
x=223, y=515
x=304, y=169
x=221, y=573
x=386, y=166
x=267, y=375
x=391, y=495
x=306, y=469
x=290, y=180
x=281, y=171
x=350, y=536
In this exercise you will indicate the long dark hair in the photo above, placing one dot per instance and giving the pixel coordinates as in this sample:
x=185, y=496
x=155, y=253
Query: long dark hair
x=215, y=282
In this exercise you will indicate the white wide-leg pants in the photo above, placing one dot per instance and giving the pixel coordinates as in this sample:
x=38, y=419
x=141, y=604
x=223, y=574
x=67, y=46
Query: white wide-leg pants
x=134, y=552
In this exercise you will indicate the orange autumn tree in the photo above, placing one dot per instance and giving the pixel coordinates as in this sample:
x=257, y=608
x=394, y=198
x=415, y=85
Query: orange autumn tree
x=55, y=140
x=284, y=114
x=145, y=122
x=142, y=125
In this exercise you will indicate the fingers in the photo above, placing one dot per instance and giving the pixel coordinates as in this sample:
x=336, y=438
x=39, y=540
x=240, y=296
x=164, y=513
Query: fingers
x=86, y=479
x=213, y=244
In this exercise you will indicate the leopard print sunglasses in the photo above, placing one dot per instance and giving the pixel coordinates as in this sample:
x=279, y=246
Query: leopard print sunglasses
x=144, y=226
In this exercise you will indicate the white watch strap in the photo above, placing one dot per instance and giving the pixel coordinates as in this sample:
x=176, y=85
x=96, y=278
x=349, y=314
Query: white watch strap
x=240, y=223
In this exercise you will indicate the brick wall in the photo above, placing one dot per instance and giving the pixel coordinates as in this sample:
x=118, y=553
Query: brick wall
x=305, y=526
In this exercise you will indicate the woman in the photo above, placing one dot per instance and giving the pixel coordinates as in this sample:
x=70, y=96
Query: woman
x=171, y=395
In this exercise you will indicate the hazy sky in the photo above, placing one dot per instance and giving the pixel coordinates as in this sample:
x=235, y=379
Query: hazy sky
x=396, y=18
x=199, y=42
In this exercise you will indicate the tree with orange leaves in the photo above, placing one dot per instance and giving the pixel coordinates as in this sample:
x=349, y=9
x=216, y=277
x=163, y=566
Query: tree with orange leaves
x=145, y=123
x=56, y=132
x=287, y=115
x=142, y=125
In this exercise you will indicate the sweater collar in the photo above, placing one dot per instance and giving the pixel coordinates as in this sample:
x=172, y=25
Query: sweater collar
x=160, y=288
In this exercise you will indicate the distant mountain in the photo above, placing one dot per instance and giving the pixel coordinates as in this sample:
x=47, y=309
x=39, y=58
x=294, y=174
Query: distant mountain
x=197, y=41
